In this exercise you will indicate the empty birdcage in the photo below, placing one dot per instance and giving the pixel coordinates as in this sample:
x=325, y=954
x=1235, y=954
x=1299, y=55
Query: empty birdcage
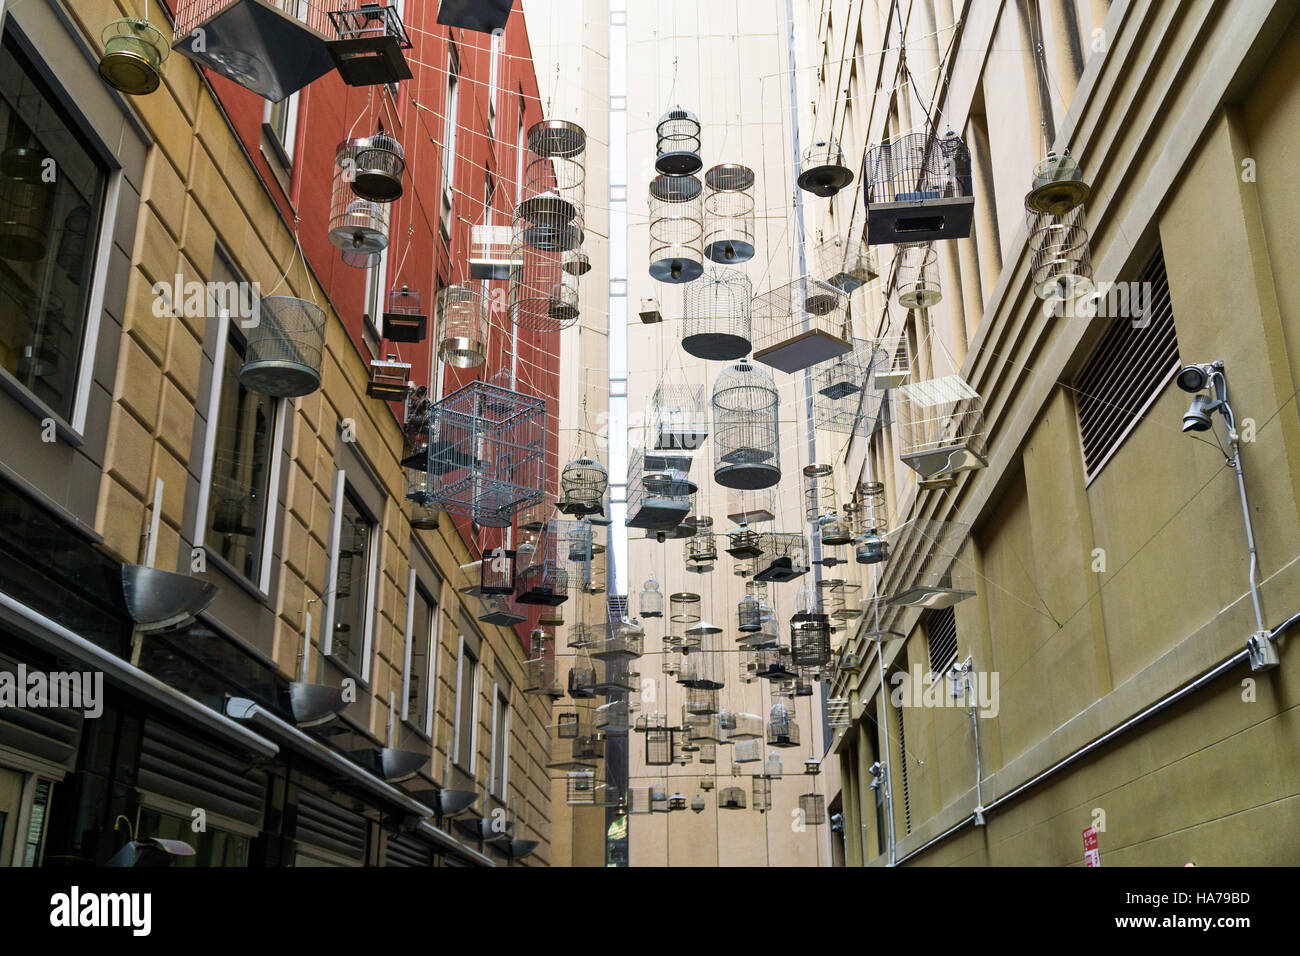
x=541, y=296
x=822, y=171
x=800, y=324
x=749, y=614
x=677, y=149
x=134, y=53
x=500, y=609
x=284, y=349
x=761, y=793
x=551, y=210
x=839, y=712
x=881, y=620
x=539, y=668
x=716, y=324
x=746, y=440
x=748, y=727
x=487, y=452
x=371, y=45
x=390, y=379
x=772, y=767
x=378, y=164
x=843, y=400
x=701, y=551
x=582, y=488
x=589, y=746
x=545, y=581
x=272, y=47
x=847, y=265
x=729, y=213
x=942, y=426
x=731, y=798
x=834, y=529
x=677, y=802
x=613, y=717
x=676, y=228
x=672, y=660
x=782, y=731
x=580, y=788
x=812, y=809
x=698, y=803
x=684, y=607
x=702, y=666
x=678, y=420
x=926, y=566
x=658, y=497
x=819, y=490
x=638, y=800
x=659, y=746
x=582, y=679
x=568, y=726
x=785, y=557
x=462, y=326
x=358, y=228
x=848, y=600
x=625, y=642
x=916, y=285
x=891, y=363
x=701, y=700
x=652, y=599
x=497, y=571
x=749, y=750
x=1058, y=185
x=918, y=189
x=659, y=798
x=423, y=511
x=767, y=635
x=404, y=320
x=774, y=664
x=582, y=634
x=1060, y=261
x=810, y=638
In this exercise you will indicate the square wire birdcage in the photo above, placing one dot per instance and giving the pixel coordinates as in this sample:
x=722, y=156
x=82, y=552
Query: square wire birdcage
x=580, y=788
x=843, y=399
x=917, y=188
x=659, y=746
x=658, y=499
x=613, y=717
x=846, y=264
x=371, y=44
x=679, y=419
x=784, y=557
x=799, y=324
x=942, y=427
x=539, y=668
x=638, y=800
x=812, y=809
x=926, y=566
x=614, y=677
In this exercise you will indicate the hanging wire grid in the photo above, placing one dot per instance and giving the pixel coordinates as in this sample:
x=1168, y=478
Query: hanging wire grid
x=746, y=440
x=716, y=323
x=358, y=227
x=679, y=420
x=843, y=400
x=676, y=228
x=918, y=189
x=799, y=324
x=729, y=213
x=941, y=423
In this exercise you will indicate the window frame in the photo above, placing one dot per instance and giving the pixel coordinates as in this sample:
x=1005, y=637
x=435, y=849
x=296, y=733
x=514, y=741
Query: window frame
x=342, y=492
x=464, y=653
x=451, y=105
x=417, y=591
x=500, y=734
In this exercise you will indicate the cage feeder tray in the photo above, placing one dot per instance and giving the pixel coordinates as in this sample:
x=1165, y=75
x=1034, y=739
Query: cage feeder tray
x=802, y=351
x=260, y=47
x=944, y=460
x=922, y=216
x=840, y=389
x=929, y=597
x=369, y=51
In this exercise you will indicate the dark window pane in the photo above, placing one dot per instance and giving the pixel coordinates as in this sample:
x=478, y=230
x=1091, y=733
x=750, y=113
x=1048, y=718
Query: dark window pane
x=422, y=647
x=351, y=587
x=466, y=705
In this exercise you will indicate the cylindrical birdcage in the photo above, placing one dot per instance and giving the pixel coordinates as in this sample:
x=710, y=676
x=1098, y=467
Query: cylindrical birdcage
x=701, y=549
x=380, y=163
x=812, y=809
x=462, y=326
x=917, y=283
x=582, y=487
x=358, y=228
x=285, y=348
x=652, y=599
x=684, y=607
x=1060, y=261
x=746, y=449
x=716, y=322
x=541, y=295
x=24, y=209
x=134, y=53
x=672, y=662
x=748, y=615
x=819, y=491
x=762, y=793
x=677, y=149
x=834, y=529
x=729, y=213
x=822, y=171
x=703, y=659
x=676, y=228
x=551, y=209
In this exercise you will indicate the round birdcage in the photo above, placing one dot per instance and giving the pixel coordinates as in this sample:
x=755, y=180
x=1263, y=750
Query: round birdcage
x=134, y=53
x=676, y=228
x=541, y=296
x=24, y=208
x=697, y=802
x=834, y=529
x=746, y=446
x=729, y=213
x=749, y=615
x=551, y=210
x=700, y=548
x=358, y=228
x=380, y=165
x=1060, y=261
x=717, y=318
x=677, y=149
x=684, y=607
x=700, y=701
x=822, y=171
x=652, y=599
x=819, y=491
x=577, y=263
x=1058, y=185
x=582, y=484
x=462, y=326
x=917, y=283
x=284, y=349
x=778, y=721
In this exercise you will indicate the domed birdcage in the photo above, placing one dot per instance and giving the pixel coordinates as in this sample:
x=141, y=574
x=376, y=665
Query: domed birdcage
x=778, y=721
x=284, y=349
x=746, y=447
x=731, y=798
x=134, y=53
x=772, y=767
x=1060, y=260
x=462, y=326
x=698, y=803
x=729, y=213
x=917, y=283
x=380, y=163
x=716, y=321
x=676, y=228
x=677, y=148
x=652, y=599
x=822, y=171
x=1058, y=185
x=749, y=615
x=582, y=488
x=918, y=189
x=677, y=802
x=358, y=228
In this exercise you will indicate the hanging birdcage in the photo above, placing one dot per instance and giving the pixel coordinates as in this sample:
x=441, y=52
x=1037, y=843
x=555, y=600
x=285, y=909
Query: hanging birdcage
x=626, y=642
x=701, y=701
x=580, y=788
x=1060, y=261
x=678, y=420
x=676, y=228
x=272, y=47
x=918, y=189
x=134, y=53
x=612, y=718
x=1058, y=185
x=652, y=599
x=834, y=529
x=843, y=400
x=701, y=551
x=568, y=726
x=810, y=639
x=677, y=148
x=659, y=746
x=499, y=609
x=785, y=557
x=677, y=802
x=684, y=607
x=589, y=746
x=822, y=171
x=926, y=568
x=916, y=285
x=672, y=660
x=846, y=265
x=390, y=379
x=941, y=424
x=716, y=322
x=774, y=664
x=746, y=435
x=490, y=249
x=782, y=731
x=891, y=364
x=731, y=798
x=379, y=164
x=703, y=663
x=658, y=499
x=749, y=750
x=582, y=488
x=371, y=45
x=698, y=803
x=881, y=621
x=462, y=326
x=800, y=324
x=487, y=452
x=638, y=800
x=539, y=668
x=747, y=727
x=772, y=768
x=283, y=351
x=761, y=792
x=659, y=798
x=541, y=296
x=812, y=809
x=729, y=214
x=748, y=615
x=404, y=320
x=497, y=571
x=358, y=228
x=848, y=597
x=582, y=679
x=819, y=491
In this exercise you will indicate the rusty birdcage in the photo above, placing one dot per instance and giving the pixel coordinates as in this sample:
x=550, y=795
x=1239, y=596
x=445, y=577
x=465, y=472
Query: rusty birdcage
x=729, y=213
x=918, y=189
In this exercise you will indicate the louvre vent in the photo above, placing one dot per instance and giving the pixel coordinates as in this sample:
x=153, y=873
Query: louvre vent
x=941, y=636
x=902, y=763
x=1131, y=366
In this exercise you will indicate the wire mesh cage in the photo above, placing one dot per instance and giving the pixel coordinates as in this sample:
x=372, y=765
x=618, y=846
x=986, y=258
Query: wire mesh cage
x=822, y=171
x=761, y=792
x=672, y=660
x=749, y=615
x=812, y=809
x=702, y=665
x=782, y=731
x=749, y=750
x=834, y=530
x=497, y=571
x=785, y=556
x=404, y=320
x=678, y=418
x=774, y=664
x=810, y=638
x=746, y=440
x=539, y=668
x=772, y=767
x=378, y=164
x=487, y=452
x=848, y=600
x=272, y=47
x=1058, y=185
x=659, y=497
x=846, y=265
x=541, y=295
x=658, y=798
x=731, y=798
x=583, y=482
x=881, y=620
x=284, y=349
x=390, y=379
x=800, y=324
x=676, y=228
x=500, y=609
x=613, y=717
x=926, y=565
x=626, y=641
x=701, y=549
x=729, y=213
x=568, y=726
x=941, y=423
x=916, y=285
x=918, y=189
x=891, y=364
x=582, y=679
x=701, y=700
x=677, y=147
x=370, y=45
x=843, y=400
x=462, y=326
x=1060, y=260
x=134, y=53
x=580, y=788
x=652, y=599
x=659, y=746
x=818, y=490
x=638, y=800
x=698, y=803
x=716, y=323
x=582, y=634
x=358, y=229
x=684, y=607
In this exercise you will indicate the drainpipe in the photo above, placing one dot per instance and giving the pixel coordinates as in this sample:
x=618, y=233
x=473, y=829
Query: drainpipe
x=960, y=675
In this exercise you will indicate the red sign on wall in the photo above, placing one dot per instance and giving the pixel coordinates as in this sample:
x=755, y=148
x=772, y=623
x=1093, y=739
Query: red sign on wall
x=1091, y=851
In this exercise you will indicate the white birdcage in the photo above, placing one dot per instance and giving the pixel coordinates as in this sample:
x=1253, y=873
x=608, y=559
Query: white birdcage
x=891, y=364
x=926, y=565
x=358, y=228
x=942, y=427
x=916, y=284
x=678, y=418
x=539, y=668
x=652, y=599
x=729, y=213
x=716, y=322
x=918, y=189
x=800, y=324
x=839, y=712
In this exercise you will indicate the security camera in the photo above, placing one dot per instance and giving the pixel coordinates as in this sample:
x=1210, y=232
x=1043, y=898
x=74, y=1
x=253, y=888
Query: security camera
x=1197, y=416
x=1193, y=378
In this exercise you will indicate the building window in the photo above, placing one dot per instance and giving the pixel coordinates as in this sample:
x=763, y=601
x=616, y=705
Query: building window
x=449, y=135
x=500, y=739
x=941, y=639
x=466, y=731
x=493, y=75
x=282, y=125
x=52, y=198
x=1132, y=364
x=422, y=655
x=350, y=598
x=376, y=289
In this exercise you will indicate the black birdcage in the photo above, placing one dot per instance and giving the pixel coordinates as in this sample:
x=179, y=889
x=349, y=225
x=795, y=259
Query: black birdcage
x=582, y=487
x=810, y=639
x=404, y=320
x=744, y=544
x=371, y=45
x=677, y=150
x=918, y=189
x=731, y=798
x=568, y=726
x=379, y=162
x=497, y=571
x=822, y=171
x=784, y=557
x=746, y=435
x=774, y=664
x=716, y=322
x=659, y=746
